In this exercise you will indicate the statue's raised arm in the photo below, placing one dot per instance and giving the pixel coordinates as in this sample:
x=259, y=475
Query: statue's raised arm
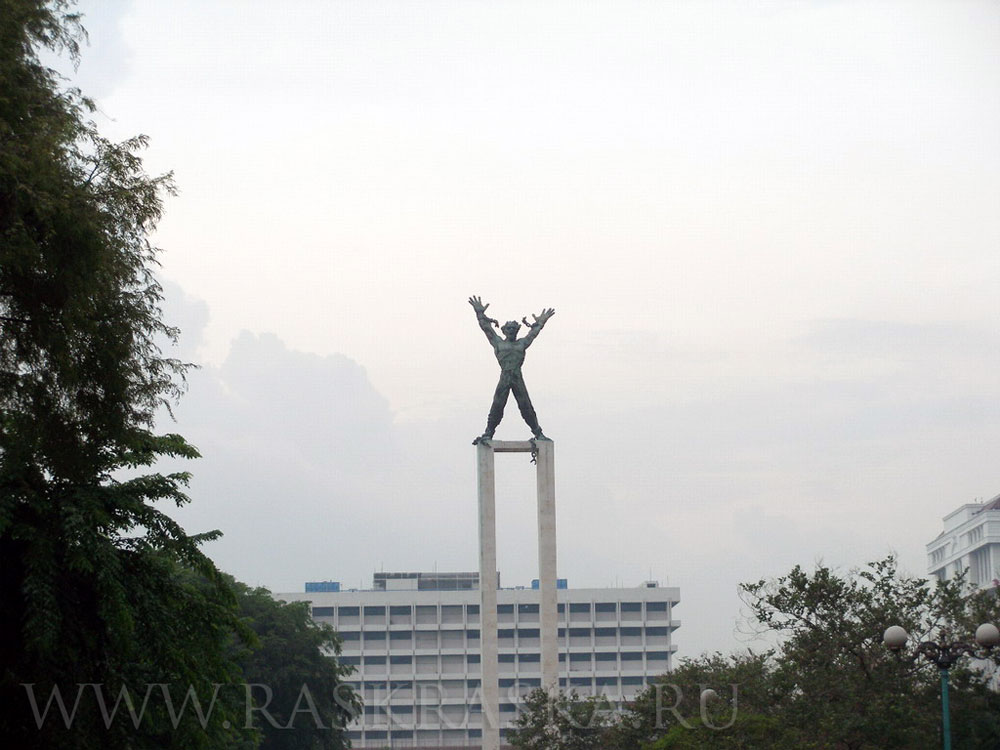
x=485, y=323
x=535, y=328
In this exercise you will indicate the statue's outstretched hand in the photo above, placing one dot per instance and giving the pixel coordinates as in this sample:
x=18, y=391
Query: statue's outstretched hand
x=477, y=305
x=545, y=315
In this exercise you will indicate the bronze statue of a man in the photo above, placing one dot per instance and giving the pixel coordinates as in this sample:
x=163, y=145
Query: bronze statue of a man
x=509, y=351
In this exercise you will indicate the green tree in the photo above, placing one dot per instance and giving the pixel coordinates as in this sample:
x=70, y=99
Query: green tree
x=842, y=687
x=676, y=711
x=830, y=683
x=298, y=681
x=98, y=585
x=561, y=722
x=746, y=732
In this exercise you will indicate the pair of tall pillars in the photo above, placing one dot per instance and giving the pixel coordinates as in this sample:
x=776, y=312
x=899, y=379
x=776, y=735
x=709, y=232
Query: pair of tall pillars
x=544, y=451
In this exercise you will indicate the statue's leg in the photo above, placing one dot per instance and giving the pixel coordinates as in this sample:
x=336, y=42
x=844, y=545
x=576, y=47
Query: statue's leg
x=499, y=404
x=524, y=404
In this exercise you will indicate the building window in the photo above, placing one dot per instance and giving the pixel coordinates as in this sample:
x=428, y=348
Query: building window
x=527, y=609
x=400, y=615
x=579, y=607
x=451, y=613
x=606, y=607
x=426, y=614
x=349, y=612
x=322, y=611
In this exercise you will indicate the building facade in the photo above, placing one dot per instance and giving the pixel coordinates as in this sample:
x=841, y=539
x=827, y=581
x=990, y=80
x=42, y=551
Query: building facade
x=970, y=540
x=414, y=643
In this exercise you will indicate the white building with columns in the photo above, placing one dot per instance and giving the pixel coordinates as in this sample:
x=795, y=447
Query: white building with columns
x=414, y=641
x=970, y=540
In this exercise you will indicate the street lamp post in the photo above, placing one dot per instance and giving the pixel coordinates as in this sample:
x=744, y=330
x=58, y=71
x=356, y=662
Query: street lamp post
x=944, y=654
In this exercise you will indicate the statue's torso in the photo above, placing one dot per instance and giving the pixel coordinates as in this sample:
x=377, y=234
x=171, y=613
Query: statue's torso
x=510, y=354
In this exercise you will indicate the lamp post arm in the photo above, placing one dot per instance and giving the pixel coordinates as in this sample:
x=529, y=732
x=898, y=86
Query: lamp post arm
x=944, y=654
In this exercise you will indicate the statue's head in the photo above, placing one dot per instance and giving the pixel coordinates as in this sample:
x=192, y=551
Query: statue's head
x=510, y=329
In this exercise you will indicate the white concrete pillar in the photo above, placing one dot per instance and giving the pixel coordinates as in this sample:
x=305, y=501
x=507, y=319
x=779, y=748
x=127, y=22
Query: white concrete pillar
x=548, y=606
x=548, y=599
x=489, y=685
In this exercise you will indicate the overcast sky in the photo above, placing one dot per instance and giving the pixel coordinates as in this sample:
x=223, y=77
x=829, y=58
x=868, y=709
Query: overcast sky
x=770, y=231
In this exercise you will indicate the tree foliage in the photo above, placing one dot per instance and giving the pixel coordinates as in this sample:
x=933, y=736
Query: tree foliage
x=100, y=589
x=561, y=722
x=830, y=683
x=842, y=686
x=310, y=704
x=675, y=712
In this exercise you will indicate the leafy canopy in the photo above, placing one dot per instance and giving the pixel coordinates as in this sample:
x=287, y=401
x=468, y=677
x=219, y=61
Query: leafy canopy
x=99, y=586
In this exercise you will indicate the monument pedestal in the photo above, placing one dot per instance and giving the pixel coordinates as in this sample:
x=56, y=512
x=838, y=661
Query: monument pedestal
x=544, y=451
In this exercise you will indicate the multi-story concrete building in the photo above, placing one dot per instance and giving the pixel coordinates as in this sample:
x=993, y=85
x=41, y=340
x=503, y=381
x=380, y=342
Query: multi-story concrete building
x=971, y=539
x=414, y=640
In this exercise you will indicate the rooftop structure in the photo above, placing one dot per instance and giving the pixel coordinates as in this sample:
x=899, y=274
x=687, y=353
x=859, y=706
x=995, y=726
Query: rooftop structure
x=970, y=540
